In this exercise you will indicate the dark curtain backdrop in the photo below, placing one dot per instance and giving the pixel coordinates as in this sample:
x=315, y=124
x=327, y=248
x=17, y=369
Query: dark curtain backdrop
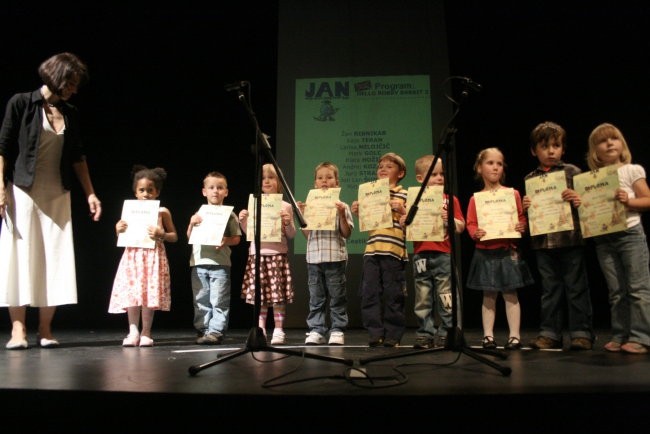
x=156, y=97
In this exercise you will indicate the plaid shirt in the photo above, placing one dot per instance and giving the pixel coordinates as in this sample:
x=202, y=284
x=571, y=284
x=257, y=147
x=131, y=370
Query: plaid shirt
x=556, y=240
x=328, y=246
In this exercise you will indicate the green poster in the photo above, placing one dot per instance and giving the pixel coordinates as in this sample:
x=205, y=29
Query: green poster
x=352, y=122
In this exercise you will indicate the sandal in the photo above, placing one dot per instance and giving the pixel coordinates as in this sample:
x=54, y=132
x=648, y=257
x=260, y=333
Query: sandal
x=634, y=348
x=513, y=344
x=489, y=343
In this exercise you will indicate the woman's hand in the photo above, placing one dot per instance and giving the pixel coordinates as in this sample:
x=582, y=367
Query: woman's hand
x=95, y=207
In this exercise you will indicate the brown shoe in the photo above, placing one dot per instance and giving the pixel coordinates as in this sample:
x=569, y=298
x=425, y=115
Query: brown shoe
x=545, y=343
x=634, y=348
x=580, y=344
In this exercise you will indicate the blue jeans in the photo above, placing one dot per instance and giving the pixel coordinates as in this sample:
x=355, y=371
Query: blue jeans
x=565, y=293
x=432, y=276
x=211, y=289
x=623, y=258
x=383, y=295
x=327, y=280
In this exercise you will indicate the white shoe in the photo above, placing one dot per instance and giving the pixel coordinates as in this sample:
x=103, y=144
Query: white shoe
x=146, y=341
x=48, y=343
x=278, y=337
x=17, y=344
x=314, y=338
x=337, y=338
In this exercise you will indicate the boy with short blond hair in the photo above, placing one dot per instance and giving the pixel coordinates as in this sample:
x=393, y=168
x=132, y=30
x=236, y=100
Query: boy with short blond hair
x=210, y=268
x=327, y=258
x=432, y=267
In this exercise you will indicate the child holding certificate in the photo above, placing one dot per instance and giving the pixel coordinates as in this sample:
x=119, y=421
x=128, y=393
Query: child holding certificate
x=383, y=287
x=559, y=253
x=623, y=255
x=142, y=282
x=275, y=275
x=497, y=266
x=210, y=264
x=327, y=256
x=432, y=266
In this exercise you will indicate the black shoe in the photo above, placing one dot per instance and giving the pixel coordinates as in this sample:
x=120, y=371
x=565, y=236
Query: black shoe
x=376, y=342
x=513, y=344
x=489, y=343
x=391, y=343
x=423, y=342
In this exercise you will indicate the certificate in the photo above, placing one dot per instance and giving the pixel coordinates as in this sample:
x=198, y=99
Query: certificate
x=548, y=212
x=213, y=225
x=271, y=223
x=139, y=215
x=320, y=209
x=600, y=213
x=496, y=212
x=374, y=205
x=428, y=224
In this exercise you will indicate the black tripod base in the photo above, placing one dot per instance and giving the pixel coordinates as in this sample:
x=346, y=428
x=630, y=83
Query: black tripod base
x=455, y=342
x=255, y=342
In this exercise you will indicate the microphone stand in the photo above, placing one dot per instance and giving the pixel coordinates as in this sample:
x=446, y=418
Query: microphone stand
x=455, y=340
x=256, y=340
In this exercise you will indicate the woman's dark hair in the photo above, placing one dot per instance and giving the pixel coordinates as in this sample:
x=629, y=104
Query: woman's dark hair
x=59, y=69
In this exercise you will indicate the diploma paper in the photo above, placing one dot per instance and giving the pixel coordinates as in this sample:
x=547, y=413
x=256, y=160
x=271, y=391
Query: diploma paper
x=428, y=224
x=548, y=212
x=139, y=215
x=496, y=212
x=271, y=224
x=374, y=205
x=213, y=225
x=320, y=209
x=600, y=213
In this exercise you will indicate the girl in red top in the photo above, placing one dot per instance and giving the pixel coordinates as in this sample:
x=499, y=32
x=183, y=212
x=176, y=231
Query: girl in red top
x=496, y=266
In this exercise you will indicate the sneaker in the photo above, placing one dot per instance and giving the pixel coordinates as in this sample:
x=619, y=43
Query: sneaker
x=423, y=342
x=391, y=343
x=441, y=341
x=146, y=341
x=613, y=347
x=314, y=338
x=132, y=340
x=545, y=343
x=278, y=337
x=579, y=344
x=634, y=348
x=337, y=338
x=213, y=338
x=376, y=342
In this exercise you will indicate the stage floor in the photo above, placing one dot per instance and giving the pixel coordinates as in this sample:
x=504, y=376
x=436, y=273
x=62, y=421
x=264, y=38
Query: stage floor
x=370, y=386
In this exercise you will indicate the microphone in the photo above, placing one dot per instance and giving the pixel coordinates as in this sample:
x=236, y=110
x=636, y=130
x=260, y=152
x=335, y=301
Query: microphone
x=237, y=85
x=471, y=84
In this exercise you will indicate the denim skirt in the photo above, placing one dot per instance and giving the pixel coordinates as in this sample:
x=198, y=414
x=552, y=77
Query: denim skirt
x=498, y=270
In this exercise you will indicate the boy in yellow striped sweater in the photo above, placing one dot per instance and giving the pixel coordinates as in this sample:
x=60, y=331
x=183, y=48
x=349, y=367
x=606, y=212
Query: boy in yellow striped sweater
x=383, y=286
